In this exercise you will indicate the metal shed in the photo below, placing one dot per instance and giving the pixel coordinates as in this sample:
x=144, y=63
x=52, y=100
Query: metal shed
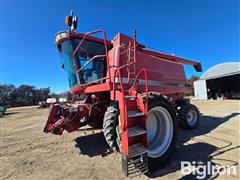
x=221, y=81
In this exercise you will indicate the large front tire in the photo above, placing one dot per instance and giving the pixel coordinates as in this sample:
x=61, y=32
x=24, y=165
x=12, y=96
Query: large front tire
x=162, y=130
x=161, y=143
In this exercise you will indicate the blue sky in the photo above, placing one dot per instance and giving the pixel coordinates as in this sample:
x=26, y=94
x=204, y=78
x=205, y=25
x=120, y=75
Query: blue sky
x=207, y=31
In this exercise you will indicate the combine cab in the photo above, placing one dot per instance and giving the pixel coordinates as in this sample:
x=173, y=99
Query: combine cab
x=135, y=94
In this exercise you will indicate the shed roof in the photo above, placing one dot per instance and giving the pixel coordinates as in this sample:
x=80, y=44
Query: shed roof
x=222, y=70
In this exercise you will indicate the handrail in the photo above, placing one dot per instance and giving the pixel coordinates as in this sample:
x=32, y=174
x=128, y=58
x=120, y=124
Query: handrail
x=123, y=66
x=84, y=50
x=146, y=86
x=105, y=47
x=89, y=61
x=123, y=94
x=95, y=81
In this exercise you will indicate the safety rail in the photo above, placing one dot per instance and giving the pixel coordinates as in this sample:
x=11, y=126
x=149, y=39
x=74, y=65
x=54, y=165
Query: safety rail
x=143, y=70
x=95, y=81
x=123, y=94
x=90, y=60
x=94, y=57
x=78, y=69
x=84, y=50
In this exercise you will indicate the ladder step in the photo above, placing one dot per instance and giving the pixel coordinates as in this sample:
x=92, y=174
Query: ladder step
x=136, y=131
x=136, y=150
x=134, y=161
x=139, y=165
x=136, y=169
x=139, y=168
x=135, y=113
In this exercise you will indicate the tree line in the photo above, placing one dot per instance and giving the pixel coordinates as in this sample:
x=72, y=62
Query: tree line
x=191, y=81
x=23, y=95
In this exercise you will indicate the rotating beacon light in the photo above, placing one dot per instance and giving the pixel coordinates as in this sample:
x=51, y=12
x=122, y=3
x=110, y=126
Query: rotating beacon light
x=71, y=21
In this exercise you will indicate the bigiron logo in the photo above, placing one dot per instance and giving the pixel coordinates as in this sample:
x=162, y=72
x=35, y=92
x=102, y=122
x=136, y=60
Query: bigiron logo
x=201, y=170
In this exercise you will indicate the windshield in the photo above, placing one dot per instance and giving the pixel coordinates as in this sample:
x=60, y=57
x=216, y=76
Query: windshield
x=93, y=71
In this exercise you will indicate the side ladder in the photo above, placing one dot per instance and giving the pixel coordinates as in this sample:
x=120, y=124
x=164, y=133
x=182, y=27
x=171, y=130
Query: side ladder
x=133, y=115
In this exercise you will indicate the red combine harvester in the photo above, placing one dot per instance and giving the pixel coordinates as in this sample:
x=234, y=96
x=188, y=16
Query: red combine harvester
x=135, y=94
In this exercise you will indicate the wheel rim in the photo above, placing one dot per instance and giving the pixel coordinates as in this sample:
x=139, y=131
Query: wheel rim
x=159, y=131
x=191, y=117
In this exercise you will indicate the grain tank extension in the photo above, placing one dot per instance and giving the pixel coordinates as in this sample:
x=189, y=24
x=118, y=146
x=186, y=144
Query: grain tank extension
x=134, y=93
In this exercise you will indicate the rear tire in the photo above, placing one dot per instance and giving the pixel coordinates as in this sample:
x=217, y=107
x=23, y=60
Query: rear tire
x=188, y=117
x=110, y=122
x=162, y=147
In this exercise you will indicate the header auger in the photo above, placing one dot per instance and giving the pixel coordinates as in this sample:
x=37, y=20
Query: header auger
x=135, y=94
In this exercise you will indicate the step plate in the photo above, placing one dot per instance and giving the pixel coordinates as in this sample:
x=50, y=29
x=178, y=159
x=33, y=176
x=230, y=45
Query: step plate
x=136, y=150
x=136, y=131
x=136, y=167
x=135, y=113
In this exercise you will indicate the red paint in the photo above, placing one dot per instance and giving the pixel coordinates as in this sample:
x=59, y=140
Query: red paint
x=129, y=61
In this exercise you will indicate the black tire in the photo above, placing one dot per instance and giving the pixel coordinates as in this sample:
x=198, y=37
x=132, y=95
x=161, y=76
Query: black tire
x=154, y=100
x=110, y=122
x=96, y=123
x=118, y=138
x=183, y=117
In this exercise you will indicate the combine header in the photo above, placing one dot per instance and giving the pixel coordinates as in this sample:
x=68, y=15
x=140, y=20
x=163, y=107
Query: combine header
x=135, y=94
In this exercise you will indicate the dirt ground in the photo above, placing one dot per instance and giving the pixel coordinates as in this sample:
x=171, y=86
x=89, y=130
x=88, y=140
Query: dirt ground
x=28, y=153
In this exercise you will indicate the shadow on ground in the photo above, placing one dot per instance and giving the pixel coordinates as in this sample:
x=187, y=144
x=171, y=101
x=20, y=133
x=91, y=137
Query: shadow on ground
x=199, y=151
x=93, y=145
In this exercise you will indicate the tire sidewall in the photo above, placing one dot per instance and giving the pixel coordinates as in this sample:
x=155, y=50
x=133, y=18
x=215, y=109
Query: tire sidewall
x=183, y=123
x=154, y=163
